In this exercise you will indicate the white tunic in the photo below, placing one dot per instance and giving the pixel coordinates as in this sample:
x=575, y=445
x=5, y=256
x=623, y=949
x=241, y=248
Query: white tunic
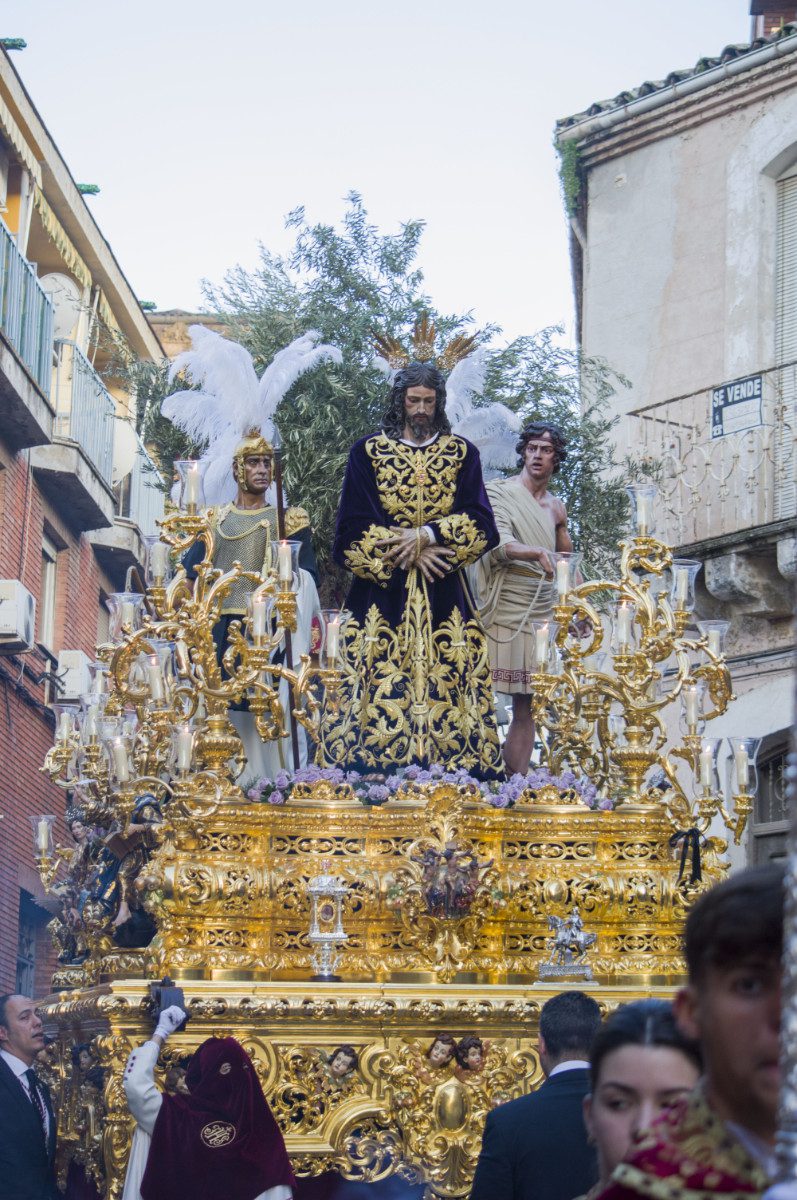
x=145, y=1101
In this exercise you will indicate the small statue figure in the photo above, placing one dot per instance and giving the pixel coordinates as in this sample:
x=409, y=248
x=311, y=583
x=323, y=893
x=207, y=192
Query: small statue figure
x=174, y=1077
x=567, y=949
x=449, y=880
x=342, y=1062
x=82, y=1059
x=133, y=927
x=470, y=1055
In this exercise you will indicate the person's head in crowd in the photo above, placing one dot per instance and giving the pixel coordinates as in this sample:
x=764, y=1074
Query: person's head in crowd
x=21, y=1028
x=732, y=1001
x=568, y=1024
x=640, y=1064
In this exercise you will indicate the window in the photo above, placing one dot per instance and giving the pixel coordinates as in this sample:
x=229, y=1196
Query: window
x=770, y=815
x=786, y=343
x=48, y=592
x=26, y=945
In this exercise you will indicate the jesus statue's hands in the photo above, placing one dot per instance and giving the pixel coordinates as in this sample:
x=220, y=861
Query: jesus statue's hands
x=434, y=562
x=403, y=546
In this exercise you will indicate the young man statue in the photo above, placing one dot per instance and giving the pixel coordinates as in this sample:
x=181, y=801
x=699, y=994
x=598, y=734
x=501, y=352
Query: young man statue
x=514, y=579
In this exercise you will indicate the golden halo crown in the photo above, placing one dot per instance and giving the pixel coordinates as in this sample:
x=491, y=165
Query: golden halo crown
x=423, y=347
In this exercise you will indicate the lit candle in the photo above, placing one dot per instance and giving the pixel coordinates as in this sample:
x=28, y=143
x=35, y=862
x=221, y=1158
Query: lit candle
x=681, y=587
x=690, y=706
x=184, y=743
x=563, y=576
x=642, y=514
x=541, y=647
x=43, y=836
x=155, y=678
x=714, y=642
x=120, y=760
x=285, y=564
x=333, y=639
x=64, y=727
x=742, y=760
x=706, y=766
x=258, y=616
x=625, y=613
x=158, y=559
x=191, y=488
x=127, y=613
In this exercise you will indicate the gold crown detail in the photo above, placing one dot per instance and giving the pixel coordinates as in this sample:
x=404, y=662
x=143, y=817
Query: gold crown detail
x=423, y=347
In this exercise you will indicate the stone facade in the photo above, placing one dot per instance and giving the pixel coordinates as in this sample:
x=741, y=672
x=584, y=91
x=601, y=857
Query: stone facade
x=680, y=262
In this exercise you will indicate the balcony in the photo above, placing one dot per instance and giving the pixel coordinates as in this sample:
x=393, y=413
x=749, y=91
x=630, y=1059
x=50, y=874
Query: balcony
x=26, y=350
x=139, y=507
x=75, y=470
x=725, y=462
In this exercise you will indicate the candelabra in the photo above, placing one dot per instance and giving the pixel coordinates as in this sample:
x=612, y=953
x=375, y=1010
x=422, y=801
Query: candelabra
x=156, y=719
x=616, y=655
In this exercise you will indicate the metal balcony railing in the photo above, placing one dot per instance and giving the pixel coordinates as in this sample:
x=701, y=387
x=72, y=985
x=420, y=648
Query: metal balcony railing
x=84, y=410
x=142, y=502
x=725, y=456
x=26, y=313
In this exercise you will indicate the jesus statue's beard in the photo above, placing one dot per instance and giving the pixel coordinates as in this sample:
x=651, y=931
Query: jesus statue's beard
x=420, y=427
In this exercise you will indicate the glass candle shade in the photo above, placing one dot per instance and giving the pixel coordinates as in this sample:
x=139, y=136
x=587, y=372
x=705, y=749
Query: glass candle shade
x=43, y=842
x=682, y=584
x=93, y=706
x=692, y=697
x=66, y=719
x=643, y=508
x=333, y=630
x=544, y=634
x=125, y=610
x=156, y=670
x=566, y=564
x=120, y=760
x=159, y=562
x=259, y=608
x=715, y=633
x=706, y=773
x=183, y=747
x=285, y=557
x=625, y=627
x=192, y=493
x=100, y=678
x=743, y=772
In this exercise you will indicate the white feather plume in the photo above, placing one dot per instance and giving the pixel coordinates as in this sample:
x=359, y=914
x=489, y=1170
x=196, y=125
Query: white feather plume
x=229, y=399
x=493, y=428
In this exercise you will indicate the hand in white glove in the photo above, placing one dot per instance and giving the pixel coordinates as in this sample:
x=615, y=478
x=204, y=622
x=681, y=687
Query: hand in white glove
x=169, y=1020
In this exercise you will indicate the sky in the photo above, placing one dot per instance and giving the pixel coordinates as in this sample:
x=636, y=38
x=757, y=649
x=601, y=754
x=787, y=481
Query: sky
x=204, y=123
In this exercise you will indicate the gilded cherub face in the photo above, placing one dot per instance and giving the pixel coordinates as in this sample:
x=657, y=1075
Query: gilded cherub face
x=341, y=1065
x=440, y=1053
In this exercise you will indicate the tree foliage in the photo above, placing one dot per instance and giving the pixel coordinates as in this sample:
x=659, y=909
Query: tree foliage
x=348, y=282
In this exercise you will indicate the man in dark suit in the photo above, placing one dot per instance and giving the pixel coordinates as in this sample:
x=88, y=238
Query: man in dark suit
x=27, y=1121
x=535, y=1148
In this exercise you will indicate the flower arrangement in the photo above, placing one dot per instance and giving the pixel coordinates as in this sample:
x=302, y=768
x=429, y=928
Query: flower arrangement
x=370, y=791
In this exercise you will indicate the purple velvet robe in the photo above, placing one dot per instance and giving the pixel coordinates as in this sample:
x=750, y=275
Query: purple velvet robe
x=418, y=689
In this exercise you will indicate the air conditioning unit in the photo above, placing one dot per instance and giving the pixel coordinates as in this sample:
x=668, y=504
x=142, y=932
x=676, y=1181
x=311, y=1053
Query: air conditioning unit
x=74, y=678
x=17, y=617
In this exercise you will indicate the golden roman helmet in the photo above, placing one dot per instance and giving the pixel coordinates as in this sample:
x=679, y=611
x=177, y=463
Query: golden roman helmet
x=253, y=443
x=423, y=347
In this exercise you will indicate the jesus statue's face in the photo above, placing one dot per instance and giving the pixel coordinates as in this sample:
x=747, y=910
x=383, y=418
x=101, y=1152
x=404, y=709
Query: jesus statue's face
x=419, y=406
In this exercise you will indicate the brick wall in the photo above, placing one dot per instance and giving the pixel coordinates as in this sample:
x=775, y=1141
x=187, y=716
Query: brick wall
x=26, y=724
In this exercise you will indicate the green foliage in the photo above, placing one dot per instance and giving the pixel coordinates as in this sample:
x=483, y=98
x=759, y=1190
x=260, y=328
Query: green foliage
x=569, y=175
x=346, y=283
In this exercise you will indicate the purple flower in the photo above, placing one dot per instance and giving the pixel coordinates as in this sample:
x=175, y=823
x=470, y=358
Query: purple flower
x=282, y=780
x=276, y=797
x=412, y=772
x=254, y=793
x=378, y=793
x=606, y=804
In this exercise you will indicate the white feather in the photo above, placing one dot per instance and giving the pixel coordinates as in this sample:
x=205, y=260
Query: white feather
x=464, y=383
x=493, y=428
x=230, y=400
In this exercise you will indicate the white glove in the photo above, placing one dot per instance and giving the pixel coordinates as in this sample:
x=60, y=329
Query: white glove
x=169, y=1020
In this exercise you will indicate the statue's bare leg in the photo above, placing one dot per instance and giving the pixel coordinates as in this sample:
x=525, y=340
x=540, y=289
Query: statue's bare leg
x=520, y=737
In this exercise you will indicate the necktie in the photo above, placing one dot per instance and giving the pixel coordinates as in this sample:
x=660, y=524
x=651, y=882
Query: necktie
x=36, y=1098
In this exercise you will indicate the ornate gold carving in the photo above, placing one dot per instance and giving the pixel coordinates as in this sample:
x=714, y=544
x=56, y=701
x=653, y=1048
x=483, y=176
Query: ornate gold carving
x=416, y=486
